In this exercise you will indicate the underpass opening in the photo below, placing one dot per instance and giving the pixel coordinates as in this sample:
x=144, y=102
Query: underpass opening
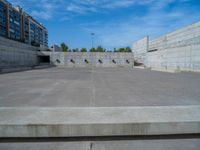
x=44, y=59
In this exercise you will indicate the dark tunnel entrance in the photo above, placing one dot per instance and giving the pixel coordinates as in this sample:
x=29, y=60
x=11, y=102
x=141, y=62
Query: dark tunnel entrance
x=44, y=59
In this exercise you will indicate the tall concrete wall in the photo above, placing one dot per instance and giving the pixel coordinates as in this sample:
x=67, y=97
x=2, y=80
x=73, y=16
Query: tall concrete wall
x=176, y=51
x=79, y=59
x=15, y=55
x=140, y=49
x=189, y=35
x=186, y=58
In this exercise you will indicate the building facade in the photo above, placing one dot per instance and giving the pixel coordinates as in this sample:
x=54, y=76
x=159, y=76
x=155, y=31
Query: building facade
x=17, y=25
x=3, y=22
x=56, y=48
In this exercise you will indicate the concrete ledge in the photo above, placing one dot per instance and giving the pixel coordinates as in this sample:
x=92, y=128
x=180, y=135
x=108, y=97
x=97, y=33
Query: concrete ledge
x=80, y=122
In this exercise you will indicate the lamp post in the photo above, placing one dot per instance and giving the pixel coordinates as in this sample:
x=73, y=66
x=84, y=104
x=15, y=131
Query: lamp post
x=92, y=35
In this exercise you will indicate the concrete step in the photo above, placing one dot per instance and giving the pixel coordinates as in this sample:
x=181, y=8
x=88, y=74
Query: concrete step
x=92, y=122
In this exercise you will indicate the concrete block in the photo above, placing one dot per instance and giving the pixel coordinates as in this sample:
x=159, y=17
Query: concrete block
x=103, y=121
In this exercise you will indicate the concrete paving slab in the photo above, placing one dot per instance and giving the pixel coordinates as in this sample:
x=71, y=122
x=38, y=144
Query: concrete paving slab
x=107, y=121
x=98, y=87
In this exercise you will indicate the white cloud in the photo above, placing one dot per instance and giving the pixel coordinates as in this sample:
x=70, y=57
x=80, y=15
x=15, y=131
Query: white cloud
x=119, y=33
x=95, y=5
x=41, y=14
x=47, y=9
x=79, y=9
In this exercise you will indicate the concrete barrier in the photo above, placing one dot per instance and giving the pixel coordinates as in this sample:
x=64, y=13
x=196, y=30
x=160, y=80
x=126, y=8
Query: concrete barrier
x=86, y=122
x=79, y=59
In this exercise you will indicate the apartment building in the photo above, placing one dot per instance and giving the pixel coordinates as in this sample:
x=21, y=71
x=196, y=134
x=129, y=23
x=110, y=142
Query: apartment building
x=3, y=17
x=17, y=25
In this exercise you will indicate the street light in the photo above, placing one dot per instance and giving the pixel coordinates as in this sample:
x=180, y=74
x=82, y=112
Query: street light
x=92, y=35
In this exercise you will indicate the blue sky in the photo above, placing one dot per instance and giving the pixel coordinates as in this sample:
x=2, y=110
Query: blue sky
x=116, y=23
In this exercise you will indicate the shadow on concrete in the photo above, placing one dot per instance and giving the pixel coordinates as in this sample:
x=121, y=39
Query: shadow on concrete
x=136, y=63
x=107, y=138
x=14, y=70
x=43, y=62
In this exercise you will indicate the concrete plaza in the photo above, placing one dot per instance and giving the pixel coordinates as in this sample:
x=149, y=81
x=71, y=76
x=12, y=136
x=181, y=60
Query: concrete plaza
x=31, y=92
x=98, y=87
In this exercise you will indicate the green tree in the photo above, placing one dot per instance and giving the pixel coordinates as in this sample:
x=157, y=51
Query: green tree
x=124, y=50
x=92, y=50
x=75, y=50
x=100, y=49
x=64, y=47
x=128, y=50
x=121, y=50
x=83, y=50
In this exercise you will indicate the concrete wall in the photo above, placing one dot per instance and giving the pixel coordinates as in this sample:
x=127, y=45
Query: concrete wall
x=15, y=55
x=65, y=59
x=140, y=49
x=185, y=58
x=189, y=35
x=176, y=51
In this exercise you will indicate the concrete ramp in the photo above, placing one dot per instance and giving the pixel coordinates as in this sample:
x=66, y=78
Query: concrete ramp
x=108, y=121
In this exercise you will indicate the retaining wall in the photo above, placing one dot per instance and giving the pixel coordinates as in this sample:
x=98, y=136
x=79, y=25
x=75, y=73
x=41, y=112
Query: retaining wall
x=185, y=58
x=79, y=59
x=189, y=35
x=140, y=49
x=176, y=51
x=16, y=55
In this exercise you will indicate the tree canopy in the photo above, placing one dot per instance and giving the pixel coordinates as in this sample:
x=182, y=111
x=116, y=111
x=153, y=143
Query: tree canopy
x=83, y=50
x=123, y=50
x=100, y=49
x=75, y=50
x=64, y=47
x=92, y=50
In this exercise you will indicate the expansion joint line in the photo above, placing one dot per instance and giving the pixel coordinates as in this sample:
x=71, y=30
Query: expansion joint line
x=93, y=93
